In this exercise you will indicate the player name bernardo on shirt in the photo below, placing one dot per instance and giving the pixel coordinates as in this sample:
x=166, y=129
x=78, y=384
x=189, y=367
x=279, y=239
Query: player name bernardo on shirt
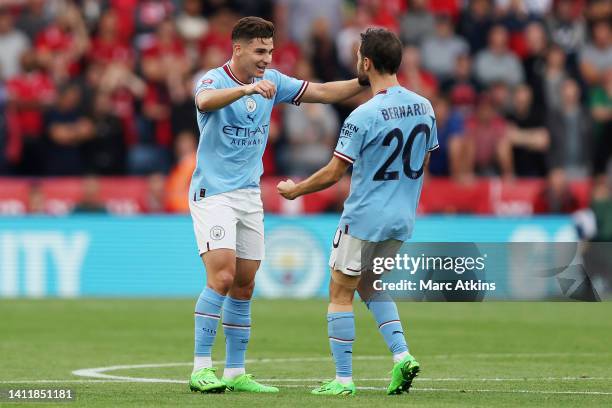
x=402, y=111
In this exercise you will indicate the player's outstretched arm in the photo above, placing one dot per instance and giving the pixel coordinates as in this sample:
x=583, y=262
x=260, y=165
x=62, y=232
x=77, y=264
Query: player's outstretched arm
x=213, y=99
x=325, y=177
x=332, y=92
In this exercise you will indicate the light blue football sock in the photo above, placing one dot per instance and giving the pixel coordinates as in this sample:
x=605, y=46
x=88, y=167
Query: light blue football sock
x=237, y=329
x=385, y=313
x=341, y=332
x=207, y=314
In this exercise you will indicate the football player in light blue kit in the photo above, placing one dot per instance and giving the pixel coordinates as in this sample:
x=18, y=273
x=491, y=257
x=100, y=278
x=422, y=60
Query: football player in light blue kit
x=388, y=141
x=234, y=103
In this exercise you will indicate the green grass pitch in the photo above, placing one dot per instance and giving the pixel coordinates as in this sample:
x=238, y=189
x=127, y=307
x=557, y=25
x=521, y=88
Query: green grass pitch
x=471, y=354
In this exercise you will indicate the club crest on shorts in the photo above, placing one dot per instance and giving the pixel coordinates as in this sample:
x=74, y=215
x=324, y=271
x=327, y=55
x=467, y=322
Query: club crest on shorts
x=251, y=105
x=217, y=232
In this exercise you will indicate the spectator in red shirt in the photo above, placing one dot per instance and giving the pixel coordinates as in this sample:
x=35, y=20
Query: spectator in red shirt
x=485, y=149
x=167, y=49
x=126, y=10
x=107, y=47
x=61, y=46
x=29, y=94
x=286, y=52
x=164, y=63
x=219, y=36
x=384, y=13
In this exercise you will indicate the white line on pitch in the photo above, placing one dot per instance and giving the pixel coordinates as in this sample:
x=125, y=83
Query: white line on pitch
x=314, y=380
x=63, y=381
x=454, y=379
x=473, y=390
x=310, y=385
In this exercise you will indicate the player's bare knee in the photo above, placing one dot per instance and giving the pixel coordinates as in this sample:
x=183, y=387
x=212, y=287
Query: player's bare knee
x=342, y=288
x=222, y=280
x=242, y=291
x=365, y=289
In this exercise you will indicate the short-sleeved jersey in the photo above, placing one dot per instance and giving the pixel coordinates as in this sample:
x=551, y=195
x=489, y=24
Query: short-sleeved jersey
x=386, y=139
x=233, y=138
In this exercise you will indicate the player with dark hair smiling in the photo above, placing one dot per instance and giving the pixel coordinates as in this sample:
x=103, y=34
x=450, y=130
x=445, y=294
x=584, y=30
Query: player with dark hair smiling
x=388, y=141
x=234, y=104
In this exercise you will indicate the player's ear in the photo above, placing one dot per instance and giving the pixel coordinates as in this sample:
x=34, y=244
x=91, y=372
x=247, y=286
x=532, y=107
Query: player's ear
x=237, y=48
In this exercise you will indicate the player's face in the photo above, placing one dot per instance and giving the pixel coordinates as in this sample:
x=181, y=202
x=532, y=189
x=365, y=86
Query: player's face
x=256, y=55
x=362, y=76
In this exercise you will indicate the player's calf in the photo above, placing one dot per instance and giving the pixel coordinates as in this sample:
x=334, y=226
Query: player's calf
x=384, y=310
x=341, y=325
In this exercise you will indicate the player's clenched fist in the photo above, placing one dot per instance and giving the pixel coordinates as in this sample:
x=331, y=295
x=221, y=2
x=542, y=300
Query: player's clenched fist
x=265, y=88
x=287, y=189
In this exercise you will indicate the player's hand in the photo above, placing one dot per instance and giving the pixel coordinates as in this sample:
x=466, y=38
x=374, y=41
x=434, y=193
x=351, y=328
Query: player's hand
x=265, y=88
x=287, y=189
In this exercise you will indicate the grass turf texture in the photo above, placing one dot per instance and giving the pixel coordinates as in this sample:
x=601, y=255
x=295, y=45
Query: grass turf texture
x=527, y=342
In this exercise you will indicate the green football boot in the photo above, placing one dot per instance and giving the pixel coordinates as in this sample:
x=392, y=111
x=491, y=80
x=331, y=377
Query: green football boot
x=246, y=383
x=402, y=375
x=206, y=381
x=333, y=387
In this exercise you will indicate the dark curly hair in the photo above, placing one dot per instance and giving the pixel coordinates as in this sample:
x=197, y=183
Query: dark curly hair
x=383, y=48
x=248, y=28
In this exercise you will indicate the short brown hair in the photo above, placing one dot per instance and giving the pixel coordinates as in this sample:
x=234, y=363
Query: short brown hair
x=248, y=28
x=383, y=48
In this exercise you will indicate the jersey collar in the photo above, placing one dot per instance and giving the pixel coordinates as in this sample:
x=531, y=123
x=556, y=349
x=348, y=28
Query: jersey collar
x=384, y=91
x=230, y=74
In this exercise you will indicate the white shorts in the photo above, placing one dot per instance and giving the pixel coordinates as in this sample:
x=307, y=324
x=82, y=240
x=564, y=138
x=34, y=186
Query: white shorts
x=352, y=256
x=232, y=220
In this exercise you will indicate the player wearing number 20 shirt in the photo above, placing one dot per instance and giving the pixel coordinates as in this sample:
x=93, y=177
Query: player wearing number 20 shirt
x=386, y=140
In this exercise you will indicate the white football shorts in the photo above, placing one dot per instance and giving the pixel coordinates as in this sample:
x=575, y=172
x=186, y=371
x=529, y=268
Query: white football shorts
x=352, y=256
x=232, y=220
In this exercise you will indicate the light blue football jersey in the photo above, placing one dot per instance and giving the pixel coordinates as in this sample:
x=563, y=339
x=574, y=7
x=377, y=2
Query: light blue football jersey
x=386, y=139
x=233, y=138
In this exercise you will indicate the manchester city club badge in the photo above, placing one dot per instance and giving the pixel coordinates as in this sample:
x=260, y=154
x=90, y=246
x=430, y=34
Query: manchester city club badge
x=251, y=105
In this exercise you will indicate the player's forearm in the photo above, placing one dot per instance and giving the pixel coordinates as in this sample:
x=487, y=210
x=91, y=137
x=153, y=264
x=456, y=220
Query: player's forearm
x=320, y=180
x=214, y=99
x=338, y=91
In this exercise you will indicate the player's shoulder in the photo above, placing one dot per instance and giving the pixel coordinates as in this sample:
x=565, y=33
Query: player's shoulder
x=215, y=74
x=407, y=97
x=273, y=75
x=218, y=72
x=412, y=97
x=365, y=112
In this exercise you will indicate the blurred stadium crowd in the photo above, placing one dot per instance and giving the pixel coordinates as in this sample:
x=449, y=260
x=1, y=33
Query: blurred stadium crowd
x=104, y=87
